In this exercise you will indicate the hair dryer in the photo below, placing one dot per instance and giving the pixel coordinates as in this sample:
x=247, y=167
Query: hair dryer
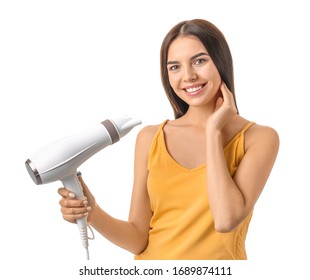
x=60, y=159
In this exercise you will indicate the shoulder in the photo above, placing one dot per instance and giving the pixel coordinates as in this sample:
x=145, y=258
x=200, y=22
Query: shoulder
x=147, y=133
x=145, y=136
x=257, y=133
x=262, y=137
x=144, y=141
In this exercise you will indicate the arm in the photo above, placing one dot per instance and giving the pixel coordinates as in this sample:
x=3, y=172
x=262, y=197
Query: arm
x=232, y=199
x=131, y=235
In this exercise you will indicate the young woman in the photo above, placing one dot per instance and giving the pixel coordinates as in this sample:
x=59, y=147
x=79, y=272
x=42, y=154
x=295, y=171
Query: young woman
x=198, y=177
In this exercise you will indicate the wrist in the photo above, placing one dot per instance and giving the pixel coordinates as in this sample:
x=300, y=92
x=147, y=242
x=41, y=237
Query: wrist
x=212, y=131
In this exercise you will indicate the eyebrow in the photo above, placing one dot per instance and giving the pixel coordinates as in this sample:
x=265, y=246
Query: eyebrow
x=192, y=58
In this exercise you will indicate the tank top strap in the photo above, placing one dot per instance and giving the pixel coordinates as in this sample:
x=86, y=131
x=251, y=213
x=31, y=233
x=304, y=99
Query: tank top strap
x=160, y=128
x=156, y=143
x=158, y=132
x=246, y=127
x=240, y=147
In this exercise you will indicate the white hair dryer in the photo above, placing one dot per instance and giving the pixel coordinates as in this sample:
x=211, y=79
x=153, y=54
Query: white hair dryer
x=60, y=159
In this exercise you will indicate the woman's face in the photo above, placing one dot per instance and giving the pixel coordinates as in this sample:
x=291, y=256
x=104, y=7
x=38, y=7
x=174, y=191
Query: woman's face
x=191, y=71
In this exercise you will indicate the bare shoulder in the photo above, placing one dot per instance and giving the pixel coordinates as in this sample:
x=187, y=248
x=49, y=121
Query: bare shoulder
x=262, y=136
x=145, y=136
x=147, y=133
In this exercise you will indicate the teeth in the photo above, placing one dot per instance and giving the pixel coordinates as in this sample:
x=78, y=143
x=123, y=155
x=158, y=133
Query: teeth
x=193, y=89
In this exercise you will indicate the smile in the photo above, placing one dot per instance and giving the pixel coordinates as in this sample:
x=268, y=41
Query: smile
x=194, y=89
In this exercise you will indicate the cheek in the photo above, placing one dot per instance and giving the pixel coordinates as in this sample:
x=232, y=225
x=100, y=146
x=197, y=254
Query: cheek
x=218, y=80
x=215, y=76
x=216, y=83
x=174, y=81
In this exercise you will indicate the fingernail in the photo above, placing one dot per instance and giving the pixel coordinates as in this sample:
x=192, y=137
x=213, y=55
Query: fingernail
x=85, y=214
x=88, y=208
x=85, y=202
x=72, y=195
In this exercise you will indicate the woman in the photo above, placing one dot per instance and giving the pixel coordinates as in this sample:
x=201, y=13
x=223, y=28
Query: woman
x=198, y=177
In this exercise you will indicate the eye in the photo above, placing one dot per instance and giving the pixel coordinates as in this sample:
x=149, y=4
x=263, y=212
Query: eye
x=173, y=67
x=199, y=61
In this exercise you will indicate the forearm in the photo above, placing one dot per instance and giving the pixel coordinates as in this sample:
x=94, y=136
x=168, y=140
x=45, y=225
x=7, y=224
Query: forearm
x=226, y=200
x=122, y=233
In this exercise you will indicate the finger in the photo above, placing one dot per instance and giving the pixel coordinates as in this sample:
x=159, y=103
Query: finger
x=66, y=193
x=232, y=101
x=225, y=93
x=219, y=102
x=73, y=203
x=228, y=96
x=72, y=214
x=73, y=217
x=75, y=211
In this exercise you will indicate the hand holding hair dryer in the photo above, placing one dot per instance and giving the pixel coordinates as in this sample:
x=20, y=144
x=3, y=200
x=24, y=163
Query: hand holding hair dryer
x=60, y=159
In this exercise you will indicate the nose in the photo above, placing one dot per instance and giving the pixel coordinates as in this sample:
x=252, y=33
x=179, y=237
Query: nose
x=189, y=74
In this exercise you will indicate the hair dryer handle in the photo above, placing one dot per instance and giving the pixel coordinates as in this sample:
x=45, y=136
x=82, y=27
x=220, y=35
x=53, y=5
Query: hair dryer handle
x=73, y=184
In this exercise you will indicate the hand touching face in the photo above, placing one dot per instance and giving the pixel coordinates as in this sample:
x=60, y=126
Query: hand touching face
x=225, y=108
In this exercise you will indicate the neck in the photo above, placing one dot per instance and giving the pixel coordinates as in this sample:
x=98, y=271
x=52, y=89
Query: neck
x=197, y=116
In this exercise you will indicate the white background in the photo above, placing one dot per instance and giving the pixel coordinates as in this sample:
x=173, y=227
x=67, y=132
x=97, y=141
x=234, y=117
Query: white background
x=67, y=65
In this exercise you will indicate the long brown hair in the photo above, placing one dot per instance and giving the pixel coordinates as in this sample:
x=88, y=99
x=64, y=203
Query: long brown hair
x=217, y=47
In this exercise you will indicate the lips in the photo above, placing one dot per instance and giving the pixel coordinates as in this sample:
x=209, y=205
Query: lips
x=194, y=89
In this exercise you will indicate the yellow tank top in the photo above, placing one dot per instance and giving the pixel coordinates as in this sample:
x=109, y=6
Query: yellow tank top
x=182, y=225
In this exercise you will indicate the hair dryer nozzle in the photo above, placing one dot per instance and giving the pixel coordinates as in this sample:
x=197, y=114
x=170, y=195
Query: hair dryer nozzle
x=124, y=124
x=33, y=172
